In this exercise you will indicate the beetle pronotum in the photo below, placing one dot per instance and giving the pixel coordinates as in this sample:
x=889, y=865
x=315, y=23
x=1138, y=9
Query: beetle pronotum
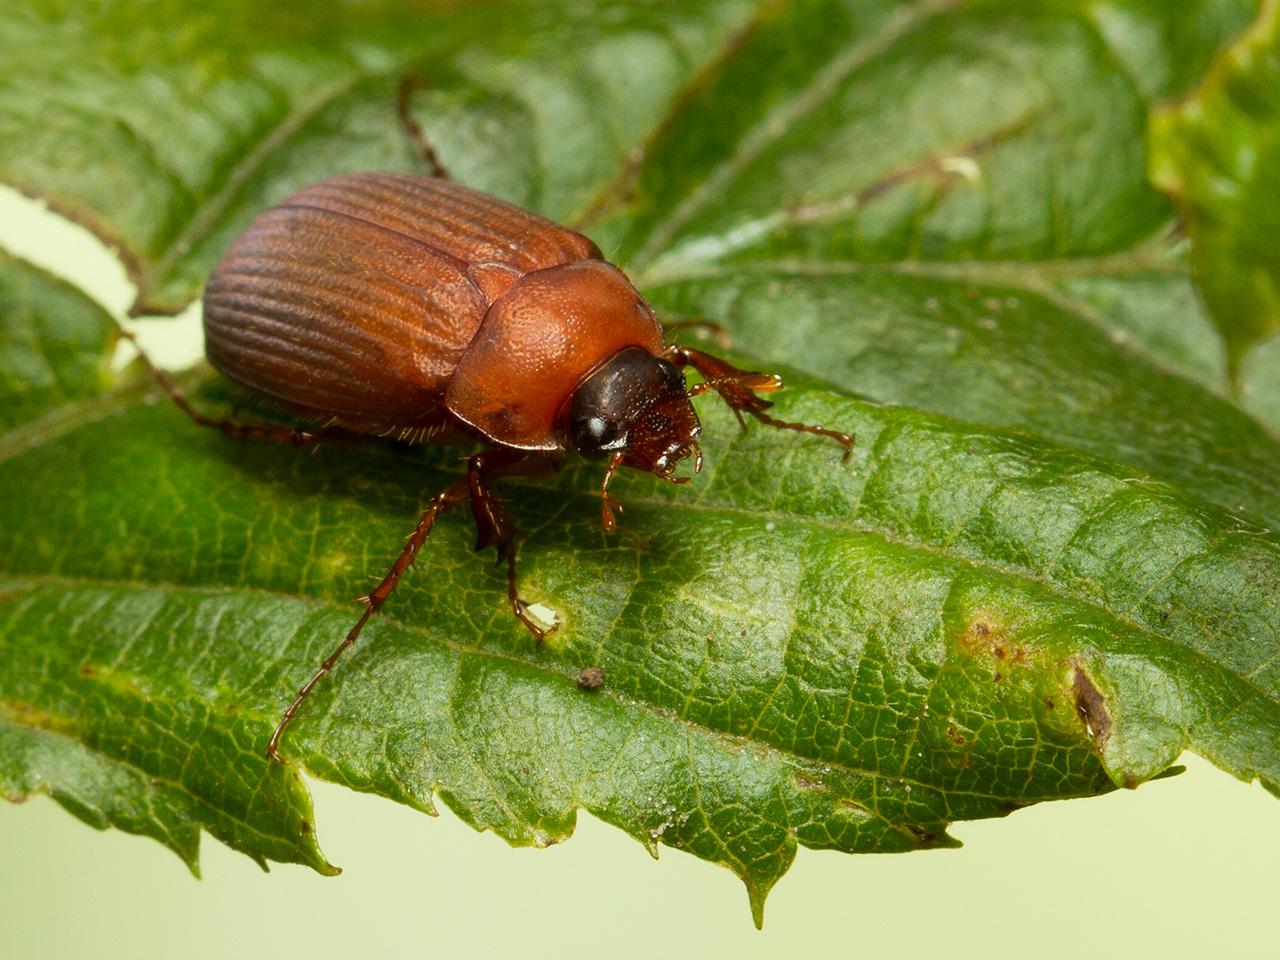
x=408, y=306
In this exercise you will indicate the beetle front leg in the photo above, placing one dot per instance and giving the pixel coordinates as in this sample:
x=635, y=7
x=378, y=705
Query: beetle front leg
x=608, y=502
x=741, y=390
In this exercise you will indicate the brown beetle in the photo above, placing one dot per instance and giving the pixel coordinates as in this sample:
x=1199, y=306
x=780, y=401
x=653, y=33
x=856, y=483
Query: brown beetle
x=408, y=306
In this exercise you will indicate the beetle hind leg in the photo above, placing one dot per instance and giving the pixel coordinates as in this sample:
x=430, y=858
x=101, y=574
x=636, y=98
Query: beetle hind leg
x=241, y=429
x=404, y=109
x=741, y=390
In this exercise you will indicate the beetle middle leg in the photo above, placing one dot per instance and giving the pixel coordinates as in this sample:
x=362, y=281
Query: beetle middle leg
x=741, y=390
x=493, y=526
x=705, y=328
x=404, y=96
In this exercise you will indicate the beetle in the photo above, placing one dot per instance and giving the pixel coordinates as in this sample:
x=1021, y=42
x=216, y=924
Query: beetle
x=408, y=306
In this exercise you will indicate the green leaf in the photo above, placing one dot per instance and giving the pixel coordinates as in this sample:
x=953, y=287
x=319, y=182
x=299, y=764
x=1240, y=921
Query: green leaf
x=1219, y=154
x=204, y=117
x=54, y=344
x=1046, y=571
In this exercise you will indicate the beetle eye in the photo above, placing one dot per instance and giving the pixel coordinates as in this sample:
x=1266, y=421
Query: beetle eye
x=596, y=434
x=672, y=377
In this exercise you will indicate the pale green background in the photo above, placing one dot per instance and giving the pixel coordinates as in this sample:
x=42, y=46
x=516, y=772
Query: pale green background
x=1179, y=868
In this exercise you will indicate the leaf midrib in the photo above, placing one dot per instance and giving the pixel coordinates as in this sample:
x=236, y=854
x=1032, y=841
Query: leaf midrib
x=1150, y=256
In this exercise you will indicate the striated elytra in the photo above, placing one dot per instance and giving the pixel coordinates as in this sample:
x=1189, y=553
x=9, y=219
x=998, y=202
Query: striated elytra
x=400, y=305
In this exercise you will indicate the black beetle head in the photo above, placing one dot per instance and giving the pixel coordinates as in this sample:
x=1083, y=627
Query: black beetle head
x=636, y=405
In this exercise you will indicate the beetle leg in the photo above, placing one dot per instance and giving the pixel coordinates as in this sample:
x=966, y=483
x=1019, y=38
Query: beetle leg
x=740, y=389
x=705, y=327
x=239, y=429
x=608, y=502
x=494, y=525
x=450, y=497
x=404, y=94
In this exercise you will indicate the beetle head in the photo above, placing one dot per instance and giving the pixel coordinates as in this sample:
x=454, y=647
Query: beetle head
x=636, y=405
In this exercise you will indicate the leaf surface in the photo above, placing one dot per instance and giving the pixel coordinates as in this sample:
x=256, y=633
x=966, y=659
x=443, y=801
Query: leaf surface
x=53, y=344
x=1046, y=571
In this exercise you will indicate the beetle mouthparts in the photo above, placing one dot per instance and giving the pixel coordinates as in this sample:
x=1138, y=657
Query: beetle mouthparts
x=667, y=463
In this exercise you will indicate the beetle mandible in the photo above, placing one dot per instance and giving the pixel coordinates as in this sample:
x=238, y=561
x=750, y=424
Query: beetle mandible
x=406, y=305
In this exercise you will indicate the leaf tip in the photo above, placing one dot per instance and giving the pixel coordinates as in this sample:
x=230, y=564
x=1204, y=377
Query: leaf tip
x=757, y=893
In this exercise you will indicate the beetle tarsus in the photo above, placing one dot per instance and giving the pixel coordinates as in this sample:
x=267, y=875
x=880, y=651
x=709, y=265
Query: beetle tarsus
x=842, y=438
x=521, y=609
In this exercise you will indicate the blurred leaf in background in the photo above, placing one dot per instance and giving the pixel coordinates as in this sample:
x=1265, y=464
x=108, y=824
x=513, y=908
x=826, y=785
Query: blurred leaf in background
x=1219, y=154
x=1048, y=569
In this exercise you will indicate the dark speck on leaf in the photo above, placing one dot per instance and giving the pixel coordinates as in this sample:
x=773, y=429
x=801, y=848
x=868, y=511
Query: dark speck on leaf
x=590, y=678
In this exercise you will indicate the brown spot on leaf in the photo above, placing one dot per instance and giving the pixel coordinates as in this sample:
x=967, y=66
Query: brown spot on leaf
x=986, y=636
x=88, y=670
x=1091, y=707
x=590, y=678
